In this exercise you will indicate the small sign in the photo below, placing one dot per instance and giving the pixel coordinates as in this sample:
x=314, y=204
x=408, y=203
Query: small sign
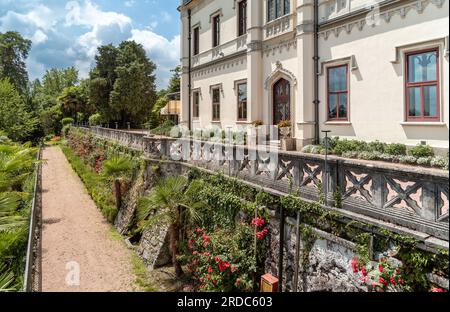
x=269, y=283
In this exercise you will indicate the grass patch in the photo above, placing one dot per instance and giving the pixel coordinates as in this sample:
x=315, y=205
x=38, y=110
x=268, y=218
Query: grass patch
x=142, y=275
x=97, y=187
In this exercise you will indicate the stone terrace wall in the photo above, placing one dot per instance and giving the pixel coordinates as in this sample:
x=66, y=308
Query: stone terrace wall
x=411, y=197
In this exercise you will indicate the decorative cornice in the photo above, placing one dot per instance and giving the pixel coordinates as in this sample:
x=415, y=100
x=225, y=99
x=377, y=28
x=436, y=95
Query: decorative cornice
x=273, y=49
x=305, y=28
x=219, y=65
x=255, y=45
x=280, y=70
x=350, y=60
x=419, y=6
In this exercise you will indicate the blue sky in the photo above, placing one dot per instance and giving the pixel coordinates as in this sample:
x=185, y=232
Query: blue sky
x=67, y=33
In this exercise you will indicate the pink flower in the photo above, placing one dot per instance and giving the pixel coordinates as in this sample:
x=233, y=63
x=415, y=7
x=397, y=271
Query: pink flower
x=199, y=230
x=383, y=281
x=258, y=222
x=364, y=272
x=380, y=267
x=233, y=269
x=437, y=289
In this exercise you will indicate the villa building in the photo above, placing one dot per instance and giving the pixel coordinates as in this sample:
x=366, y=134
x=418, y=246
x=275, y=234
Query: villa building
x=364, y=69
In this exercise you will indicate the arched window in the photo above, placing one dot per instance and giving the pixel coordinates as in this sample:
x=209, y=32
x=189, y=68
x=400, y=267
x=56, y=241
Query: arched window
x=277, y=8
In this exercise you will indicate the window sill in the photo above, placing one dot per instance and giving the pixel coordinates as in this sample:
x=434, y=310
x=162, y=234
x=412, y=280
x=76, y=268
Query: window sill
x=424, y=123
x=243, y=122
x=337, y=123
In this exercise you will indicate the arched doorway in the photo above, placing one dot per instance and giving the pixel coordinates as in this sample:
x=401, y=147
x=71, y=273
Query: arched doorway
x=281, y=101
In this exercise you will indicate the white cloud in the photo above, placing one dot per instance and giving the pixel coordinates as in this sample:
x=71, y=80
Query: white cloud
x=39, y=37
x=105, y=27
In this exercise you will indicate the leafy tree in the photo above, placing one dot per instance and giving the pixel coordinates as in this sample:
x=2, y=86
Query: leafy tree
x=134, y=89
x=173, y=201
x=50, y=120
x=74, y=103
x=175, y=81
x=15, y=120
x=14, y=51
x=102, y=79
x=56, y=80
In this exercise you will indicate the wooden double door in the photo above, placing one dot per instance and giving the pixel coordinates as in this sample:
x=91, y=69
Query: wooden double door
x=281, y=101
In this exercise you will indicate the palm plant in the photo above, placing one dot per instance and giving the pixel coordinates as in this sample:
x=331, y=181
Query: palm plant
x=115, y=169
x=6, y=279
x=171, y=201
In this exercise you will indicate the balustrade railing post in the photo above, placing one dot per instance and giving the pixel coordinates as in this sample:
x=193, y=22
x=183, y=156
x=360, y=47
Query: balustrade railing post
x=379, y=189
x=429, y=201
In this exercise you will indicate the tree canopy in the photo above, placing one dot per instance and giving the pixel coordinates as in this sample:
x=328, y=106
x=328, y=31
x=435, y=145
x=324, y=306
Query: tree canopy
x=15, y=120
x=14, y=50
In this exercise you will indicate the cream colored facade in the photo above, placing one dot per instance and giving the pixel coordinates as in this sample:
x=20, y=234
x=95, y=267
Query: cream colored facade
x=372, y=43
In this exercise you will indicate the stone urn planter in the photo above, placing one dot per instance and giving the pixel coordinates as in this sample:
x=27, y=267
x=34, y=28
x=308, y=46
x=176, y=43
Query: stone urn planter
x=287, y=142
x=253, y=137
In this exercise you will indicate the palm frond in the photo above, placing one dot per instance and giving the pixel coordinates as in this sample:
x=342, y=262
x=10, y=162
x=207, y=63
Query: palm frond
x=117, y=166
x=8, y=203
x=6, y=279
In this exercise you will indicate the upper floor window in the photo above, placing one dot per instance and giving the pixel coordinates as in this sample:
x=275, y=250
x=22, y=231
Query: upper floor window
x=196, y=104
x=216, y=104
x=337, y=92
x=277, y=8
x=196, y=39
x=216, y=30
x=242, y=16
x=422, y=86
x=242, y=101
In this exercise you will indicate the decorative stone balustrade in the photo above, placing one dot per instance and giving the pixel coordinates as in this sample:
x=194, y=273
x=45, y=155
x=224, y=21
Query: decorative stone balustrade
x=416, y=198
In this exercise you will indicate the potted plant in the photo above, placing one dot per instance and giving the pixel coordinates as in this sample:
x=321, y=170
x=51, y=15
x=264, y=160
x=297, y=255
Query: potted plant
x=287, y=142
x=254, y=132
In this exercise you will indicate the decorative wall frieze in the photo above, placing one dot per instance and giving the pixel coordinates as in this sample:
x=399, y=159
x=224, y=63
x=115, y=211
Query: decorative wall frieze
x=280, y=47
x=254, y=46
x=280, y=70
x=386, y=16
x=217, y=67
x=279, y=26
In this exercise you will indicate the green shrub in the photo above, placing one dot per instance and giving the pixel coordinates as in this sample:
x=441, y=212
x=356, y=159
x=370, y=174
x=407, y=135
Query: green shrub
x=345, y=145
x=396, y=149
x=95, y=120
x=307, y=149
x=422, y=151
x=408, y=160
x=369, y=155
x=67, y=121
x=424, y=161
x=440, y=161
x=65, y=130
x=350, y=154
x=377, y=146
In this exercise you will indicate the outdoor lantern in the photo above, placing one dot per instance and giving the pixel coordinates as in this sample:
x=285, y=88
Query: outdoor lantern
x=269, y=283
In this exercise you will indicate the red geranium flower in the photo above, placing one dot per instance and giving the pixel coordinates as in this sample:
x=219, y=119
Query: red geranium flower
x=210, y=269
x=364, y=272
x=393, y=282
x=223, y=265
x=383, y=281
x=199, y=230
x=380, y=267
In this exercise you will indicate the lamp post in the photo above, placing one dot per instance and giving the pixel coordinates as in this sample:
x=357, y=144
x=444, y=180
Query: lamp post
x=326, y=166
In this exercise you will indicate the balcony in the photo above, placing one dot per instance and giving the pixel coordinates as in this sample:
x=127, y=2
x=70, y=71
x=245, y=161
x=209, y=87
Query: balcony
x=279, y=26
x=229, y=48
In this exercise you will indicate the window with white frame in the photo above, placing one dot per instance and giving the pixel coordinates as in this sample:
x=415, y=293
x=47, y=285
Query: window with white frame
x=277, y=8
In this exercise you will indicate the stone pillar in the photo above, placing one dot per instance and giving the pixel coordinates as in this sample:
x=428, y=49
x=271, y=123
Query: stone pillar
x=304, y=130
x=184, y=118
x=254, y=59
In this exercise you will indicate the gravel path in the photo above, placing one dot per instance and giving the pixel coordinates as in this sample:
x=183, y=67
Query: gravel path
x=76, y=237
